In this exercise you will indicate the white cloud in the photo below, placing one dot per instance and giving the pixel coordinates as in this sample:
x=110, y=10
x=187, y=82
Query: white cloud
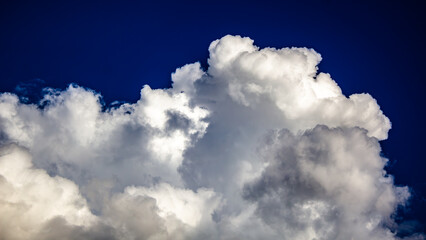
x=325, y=184
x=193, y=162
x=30, y=197
x=187, y=206
x=134, y=143
x=161, y=212
x=288, y=78
x=183, y=79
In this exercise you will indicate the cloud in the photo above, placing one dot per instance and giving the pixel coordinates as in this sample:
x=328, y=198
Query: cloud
x=30, y=197
x=325, y=184
x=258, y=146
x=288, y=79
x=72, y=136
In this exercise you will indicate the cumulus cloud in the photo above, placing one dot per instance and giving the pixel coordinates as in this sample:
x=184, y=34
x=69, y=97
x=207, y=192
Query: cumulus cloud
x=30, y=197
x=325, y=184
x=258, y=146
x=288, y=78
x=136, y=143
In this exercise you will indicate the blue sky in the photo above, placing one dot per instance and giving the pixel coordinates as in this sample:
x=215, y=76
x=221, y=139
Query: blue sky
x=115, y=48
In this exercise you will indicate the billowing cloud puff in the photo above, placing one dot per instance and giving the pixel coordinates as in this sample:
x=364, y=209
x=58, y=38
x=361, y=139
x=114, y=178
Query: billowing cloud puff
x=258, y=146
x=325, y=184
x=30, y=197
x=136, y=143
x=288, y=78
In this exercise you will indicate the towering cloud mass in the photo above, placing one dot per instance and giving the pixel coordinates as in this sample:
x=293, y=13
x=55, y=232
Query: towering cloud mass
x=258, y=146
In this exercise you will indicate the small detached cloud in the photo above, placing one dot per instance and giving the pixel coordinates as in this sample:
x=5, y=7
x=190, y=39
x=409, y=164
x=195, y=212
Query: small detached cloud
x=258, y=146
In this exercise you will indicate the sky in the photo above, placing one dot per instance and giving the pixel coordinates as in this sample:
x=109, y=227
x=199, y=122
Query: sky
x=219, y=119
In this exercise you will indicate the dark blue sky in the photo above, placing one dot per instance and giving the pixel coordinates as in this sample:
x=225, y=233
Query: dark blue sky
x=117, y=47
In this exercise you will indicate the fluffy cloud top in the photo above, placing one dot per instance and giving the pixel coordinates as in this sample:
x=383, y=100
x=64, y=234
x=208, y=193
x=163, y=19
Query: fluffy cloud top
x=258, y=146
